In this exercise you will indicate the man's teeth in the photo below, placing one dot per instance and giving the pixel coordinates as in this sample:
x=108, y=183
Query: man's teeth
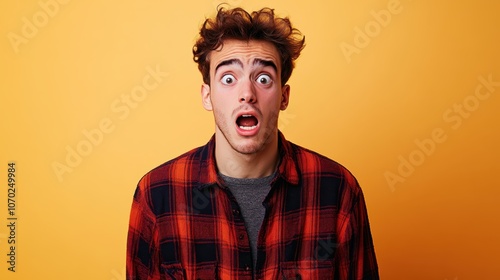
x=248, y=127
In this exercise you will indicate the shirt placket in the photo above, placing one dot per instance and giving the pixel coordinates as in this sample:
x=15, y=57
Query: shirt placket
x=245, y=264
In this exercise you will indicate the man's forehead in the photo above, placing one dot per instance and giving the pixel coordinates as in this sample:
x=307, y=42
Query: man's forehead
x=254, y=62
x=250, y=52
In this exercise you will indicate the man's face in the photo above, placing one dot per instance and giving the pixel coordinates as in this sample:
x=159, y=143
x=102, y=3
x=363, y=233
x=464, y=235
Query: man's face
x=245, y=94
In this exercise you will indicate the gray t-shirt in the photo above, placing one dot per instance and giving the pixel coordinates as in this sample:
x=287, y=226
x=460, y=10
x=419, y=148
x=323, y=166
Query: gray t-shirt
x=250, y=193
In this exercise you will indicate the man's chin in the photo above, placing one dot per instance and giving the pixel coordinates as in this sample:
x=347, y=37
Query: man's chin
x=247, y=149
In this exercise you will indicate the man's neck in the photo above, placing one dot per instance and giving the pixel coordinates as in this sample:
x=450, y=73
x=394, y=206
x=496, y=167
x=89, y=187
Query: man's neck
x=237, y=165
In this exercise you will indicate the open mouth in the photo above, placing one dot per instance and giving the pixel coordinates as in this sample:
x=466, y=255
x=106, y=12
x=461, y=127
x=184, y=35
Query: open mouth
x=247, y=122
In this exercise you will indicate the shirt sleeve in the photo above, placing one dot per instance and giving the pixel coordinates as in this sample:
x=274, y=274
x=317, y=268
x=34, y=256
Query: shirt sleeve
x=355, y=258
x=142, y=241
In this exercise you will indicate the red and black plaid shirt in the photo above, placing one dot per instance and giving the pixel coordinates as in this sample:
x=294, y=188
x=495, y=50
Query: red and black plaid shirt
x=185, y=224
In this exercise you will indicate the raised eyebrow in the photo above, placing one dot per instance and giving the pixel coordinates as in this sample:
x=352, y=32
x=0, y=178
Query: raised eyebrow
x=229, y=62
x=264, y=62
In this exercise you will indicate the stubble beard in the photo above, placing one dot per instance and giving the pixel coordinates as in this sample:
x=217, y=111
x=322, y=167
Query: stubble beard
x=260, y=141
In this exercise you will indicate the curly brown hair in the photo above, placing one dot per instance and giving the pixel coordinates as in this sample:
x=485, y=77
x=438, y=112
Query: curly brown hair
x=238, y=24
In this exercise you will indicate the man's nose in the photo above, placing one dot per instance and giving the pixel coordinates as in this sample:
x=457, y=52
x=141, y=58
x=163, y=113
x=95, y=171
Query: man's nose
x=247, y=92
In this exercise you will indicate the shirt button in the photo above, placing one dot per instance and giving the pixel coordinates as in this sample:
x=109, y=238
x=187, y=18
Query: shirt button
x=247, y=268
x=241, y=236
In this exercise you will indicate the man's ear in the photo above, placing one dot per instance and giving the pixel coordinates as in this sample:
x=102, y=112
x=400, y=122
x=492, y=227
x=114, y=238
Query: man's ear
x=285, y=97
x=205, y=97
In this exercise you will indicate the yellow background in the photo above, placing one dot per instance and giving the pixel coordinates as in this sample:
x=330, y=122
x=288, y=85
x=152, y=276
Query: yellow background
x=442, y=222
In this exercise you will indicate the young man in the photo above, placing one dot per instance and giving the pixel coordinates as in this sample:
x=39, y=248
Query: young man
x=249, y=204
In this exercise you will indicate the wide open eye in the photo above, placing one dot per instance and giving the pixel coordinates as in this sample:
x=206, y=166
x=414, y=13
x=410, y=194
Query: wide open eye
x=264, y=79
x=227, y=79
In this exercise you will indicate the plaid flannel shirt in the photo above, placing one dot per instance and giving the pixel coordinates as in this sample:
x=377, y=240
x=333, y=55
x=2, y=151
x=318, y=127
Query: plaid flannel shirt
x=184, y=224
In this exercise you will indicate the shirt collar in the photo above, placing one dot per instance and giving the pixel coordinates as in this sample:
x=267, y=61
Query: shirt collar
x=207, y=173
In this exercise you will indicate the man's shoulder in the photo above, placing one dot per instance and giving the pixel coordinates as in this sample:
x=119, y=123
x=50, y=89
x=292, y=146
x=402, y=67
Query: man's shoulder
x=177, y=169
x=312, y=163
x=308, y=158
